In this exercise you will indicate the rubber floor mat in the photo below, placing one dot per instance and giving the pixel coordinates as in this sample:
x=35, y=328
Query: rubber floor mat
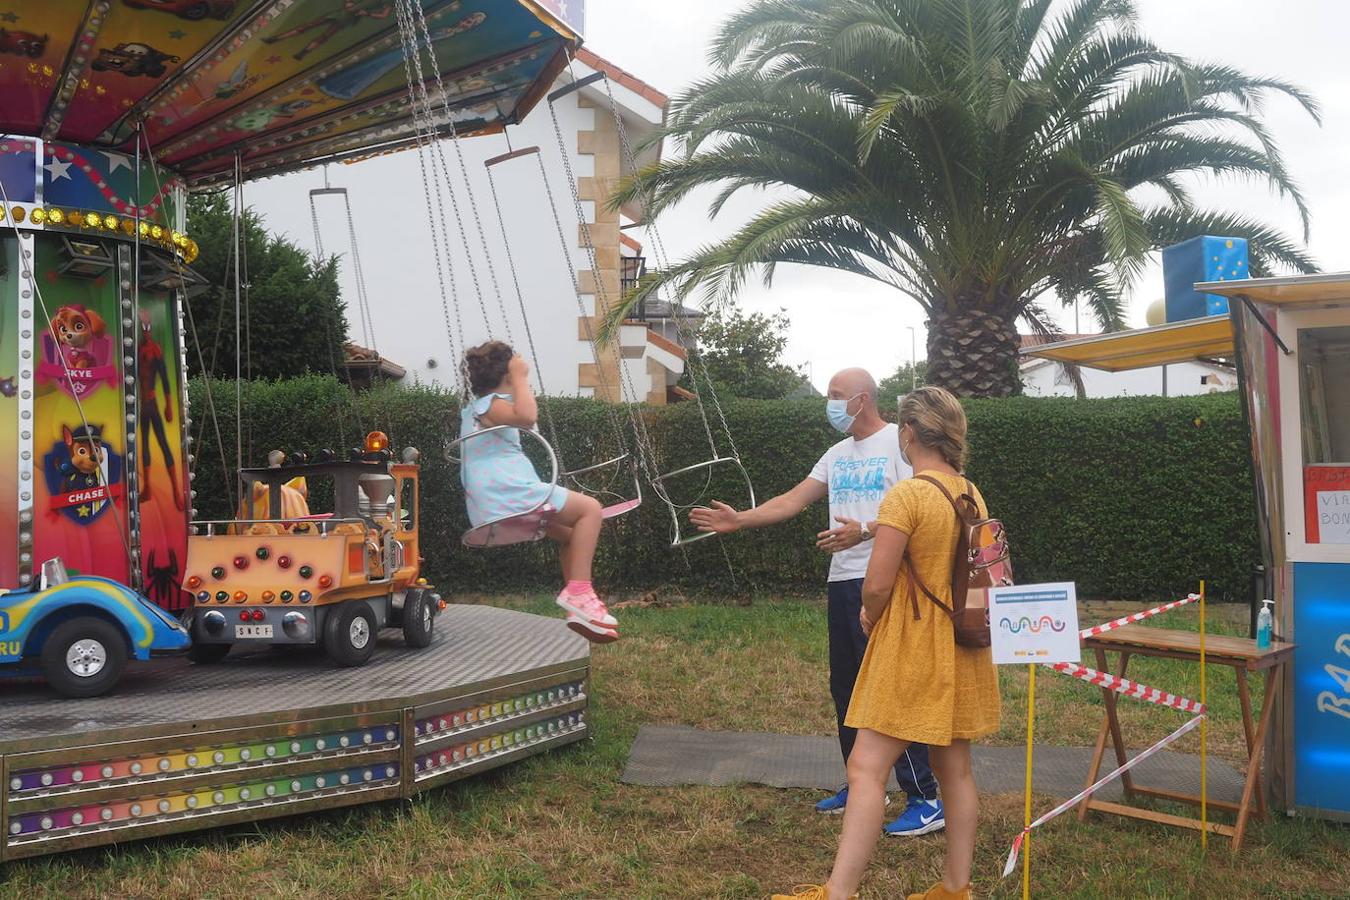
x=666, y=756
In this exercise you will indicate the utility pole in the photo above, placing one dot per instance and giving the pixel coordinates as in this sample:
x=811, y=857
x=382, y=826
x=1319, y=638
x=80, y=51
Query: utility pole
x=913, y=359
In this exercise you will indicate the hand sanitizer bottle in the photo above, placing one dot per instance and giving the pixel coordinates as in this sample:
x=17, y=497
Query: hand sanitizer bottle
x=1264, y=622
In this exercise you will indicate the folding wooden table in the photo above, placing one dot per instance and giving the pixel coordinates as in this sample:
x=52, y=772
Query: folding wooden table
x=1239, y=653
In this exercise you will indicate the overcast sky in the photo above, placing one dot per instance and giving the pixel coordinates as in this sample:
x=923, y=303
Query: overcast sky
x=840, y=320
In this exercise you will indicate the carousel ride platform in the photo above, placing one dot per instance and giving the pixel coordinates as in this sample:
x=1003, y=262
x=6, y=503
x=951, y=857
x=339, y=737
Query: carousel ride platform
x=181, y=747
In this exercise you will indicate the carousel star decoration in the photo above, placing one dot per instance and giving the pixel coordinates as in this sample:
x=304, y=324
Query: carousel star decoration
x=58, y=170
x=177, y=34
x=116, y=161
x=9, y=17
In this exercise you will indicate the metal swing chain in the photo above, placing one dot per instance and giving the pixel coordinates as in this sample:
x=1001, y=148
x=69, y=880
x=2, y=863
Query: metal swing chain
x=362, y=296
x=413, y=49
x=520, y=298
x=454, y=322
x=675, y=307
x=686, y=335
x=419, y=15
x=589, y=247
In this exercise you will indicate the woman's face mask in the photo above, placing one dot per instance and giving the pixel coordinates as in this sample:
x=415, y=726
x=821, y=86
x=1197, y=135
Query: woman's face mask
x=905, y=444
x=837, y=412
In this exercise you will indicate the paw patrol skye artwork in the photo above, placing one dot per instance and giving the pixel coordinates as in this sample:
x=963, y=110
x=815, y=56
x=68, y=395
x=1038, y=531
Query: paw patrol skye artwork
x=77, y=352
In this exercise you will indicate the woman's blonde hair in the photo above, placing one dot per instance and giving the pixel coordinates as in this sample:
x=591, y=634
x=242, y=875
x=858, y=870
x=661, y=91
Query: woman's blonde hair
x=939, y=423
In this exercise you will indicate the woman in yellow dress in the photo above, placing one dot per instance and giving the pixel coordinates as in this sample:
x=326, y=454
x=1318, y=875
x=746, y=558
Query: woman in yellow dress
x=916, y=684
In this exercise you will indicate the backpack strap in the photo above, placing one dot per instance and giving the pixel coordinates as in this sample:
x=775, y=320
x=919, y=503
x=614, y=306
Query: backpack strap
x=961, y=555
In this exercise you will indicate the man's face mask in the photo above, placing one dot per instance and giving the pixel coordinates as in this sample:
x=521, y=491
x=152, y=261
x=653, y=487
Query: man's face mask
x=837, y=412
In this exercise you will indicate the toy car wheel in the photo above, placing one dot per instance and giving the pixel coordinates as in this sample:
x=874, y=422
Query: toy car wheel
x=349, y=636
x=84, y=657
x=205, y=654
x=417, y=619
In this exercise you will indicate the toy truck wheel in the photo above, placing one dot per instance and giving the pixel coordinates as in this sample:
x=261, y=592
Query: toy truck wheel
x=417, y=619
x=349, y=637
x=84, y=657
x=205, y=654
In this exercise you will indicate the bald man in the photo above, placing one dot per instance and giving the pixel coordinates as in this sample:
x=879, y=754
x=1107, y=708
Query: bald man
x=854, y=474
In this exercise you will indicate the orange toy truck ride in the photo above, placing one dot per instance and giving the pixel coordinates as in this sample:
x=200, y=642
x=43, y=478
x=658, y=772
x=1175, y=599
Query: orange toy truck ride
x=277, y=575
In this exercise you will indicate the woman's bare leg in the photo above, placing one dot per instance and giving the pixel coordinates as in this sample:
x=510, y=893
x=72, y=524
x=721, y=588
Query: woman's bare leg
x=580, y=514
x=869, y=766
x=960, y=806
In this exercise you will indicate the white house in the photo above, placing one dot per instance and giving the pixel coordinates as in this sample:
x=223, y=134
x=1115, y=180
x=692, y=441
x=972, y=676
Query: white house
x=650, y=349
x=1046, y=378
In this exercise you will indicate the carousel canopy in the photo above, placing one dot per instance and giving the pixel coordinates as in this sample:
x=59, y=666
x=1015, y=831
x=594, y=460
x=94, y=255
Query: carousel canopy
x=283, y=84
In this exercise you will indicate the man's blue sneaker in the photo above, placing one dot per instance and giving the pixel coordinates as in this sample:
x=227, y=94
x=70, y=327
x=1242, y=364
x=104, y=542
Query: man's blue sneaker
x=920, y=817
x=834, y=804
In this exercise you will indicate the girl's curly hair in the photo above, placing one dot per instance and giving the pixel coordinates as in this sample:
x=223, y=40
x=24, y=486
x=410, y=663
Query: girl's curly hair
x=486, y=365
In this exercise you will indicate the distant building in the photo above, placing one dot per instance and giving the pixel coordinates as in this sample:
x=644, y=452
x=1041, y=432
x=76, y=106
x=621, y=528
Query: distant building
x=364, y=368
x=650, y=354
x=1045, y=378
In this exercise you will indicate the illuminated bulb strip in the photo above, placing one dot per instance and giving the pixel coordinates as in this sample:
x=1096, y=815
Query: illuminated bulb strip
x=431, y=727
x=101, y=774
x=111, y=224
x=449, y=759
x=203, y=802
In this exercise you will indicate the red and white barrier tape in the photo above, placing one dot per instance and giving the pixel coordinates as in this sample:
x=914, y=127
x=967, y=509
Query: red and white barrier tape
x=1127, y=687
x=1089, y=791
x=1135, y=617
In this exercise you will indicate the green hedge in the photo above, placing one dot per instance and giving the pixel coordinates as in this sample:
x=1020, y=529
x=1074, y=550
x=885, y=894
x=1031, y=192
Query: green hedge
x=1133, y=498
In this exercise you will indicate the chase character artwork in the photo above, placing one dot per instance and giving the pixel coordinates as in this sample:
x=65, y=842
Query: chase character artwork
x=85, y=475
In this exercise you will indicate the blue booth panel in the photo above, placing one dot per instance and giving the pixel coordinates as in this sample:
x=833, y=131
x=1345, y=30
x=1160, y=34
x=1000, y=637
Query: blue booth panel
x=1322, y=687
x=1201, y=259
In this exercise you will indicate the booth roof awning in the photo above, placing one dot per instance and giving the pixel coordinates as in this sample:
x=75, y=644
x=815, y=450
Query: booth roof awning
x=1178, y=342
x=1295, y=290
x=1195, y=338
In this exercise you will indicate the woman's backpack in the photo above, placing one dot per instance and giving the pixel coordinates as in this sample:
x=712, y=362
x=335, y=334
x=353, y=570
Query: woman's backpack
x=981, y=562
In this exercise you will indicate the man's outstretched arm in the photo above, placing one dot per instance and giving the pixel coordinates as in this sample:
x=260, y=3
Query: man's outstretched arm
x=723, y=519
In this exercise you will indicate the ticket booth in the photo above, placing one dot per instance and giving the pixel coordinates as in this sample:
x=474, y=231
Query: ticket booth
x=1290, y=340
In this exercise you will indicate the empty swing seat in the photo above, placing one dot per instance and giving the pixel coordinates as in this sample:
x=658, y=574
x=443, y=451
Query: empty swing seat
x=615, y=510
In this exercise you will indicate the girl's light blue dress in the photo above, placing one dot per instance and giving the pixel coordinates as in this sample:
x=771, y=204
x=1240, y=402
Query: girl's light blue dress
x=499, y=479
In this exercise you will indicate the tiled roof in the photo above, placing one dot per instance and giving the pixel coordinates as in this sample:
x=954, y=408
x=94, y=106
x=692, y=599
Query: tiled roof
x=623, y=77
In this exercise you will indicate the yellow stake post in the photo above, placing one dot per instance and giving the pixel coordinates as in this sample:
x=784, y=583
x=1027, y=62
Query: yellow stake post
x=1031, y=733
x=1204, y=732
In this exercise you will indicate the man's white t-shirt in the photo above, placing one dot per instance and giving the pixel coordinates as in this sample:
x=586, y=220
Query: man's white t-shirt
x=858, y=473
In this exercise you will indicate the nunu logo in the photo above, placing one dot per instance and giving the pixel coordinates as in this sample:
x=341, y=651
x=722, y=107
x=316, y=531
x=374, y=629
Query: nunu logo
x=1026, y=624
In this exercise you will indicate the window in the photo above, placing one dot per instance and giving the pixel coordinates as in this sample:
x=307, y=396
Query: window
x=1324, y=370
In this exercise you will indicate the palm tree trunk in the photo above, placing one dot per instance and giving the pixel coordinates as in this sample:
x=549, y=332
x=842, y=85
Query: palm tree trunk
x=972, y=351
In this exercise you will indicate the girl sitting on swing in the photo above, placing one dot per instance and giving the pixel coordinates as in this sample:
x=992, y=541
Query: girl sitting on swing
x=500, y=481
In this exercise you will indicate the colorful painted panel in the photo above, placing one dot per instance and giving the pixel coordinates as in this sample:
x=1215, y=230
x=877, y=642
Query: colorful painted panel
x=350, y=85
x=79, y=443
x=34, y=38
x=9, y=413
x=139, y=46
x=216, y=76
x=105, y=181
x=162, y=477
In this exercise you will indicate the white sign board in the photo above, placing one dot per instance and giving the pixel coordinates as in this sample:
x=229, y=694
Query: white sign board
x=1333, y=517
x=1034, y=623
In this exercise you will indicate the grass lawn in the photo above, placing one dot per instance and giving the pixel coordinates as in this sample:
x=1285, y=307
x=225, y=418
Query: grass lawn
x=563, y=826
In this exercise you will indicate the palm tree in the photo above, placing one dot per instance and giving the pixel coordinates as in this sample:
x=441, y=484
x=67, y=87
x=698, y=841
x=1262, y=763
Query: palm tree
x=981, y=157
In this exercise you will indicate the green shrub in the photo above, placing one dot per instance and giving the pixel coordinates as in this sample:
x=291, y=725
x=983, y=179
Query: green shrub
x=1132, y=498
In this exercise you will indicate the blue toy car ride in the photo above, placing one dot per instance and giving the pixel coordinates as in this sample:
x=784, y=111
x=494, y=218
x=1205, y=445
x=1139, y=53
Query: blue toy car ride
x=81, y=631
